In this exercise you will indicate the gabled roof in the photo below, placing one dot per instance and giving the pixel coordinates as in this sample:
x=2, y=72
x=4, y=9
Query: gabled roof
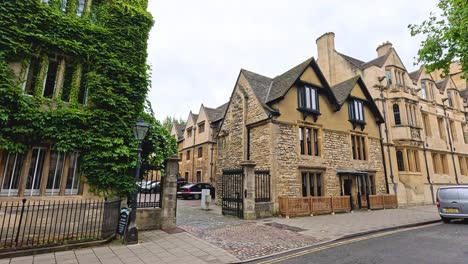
x=416, y=74
x=357, y=63
x=464, y=94
x=179, y=128
x=342, y=91
x=379, y=61
x=214, y=114
x=260, y=84
x=442, y=83
x=283, y=82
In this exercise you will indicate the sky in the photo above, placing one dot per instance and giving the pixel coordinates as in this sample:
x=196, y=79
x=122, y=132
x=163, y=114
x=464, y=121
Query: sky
x=197, y=48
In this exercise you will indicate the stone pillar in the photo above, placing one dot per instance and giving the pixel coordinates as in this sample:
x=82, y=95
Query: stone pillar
x=249, y=189
x=169, y=194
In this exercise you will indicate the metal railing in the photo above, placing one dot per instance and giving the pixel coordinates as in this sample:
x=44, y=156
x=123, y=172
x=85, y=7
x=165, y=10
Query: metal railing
x=32, y=224
x=150, y=188
x=262, y=186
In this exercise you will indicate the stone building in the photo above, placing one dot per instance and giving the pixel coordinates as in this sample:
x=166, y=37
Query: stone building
x=425, y=130
x=54, y=73
x=197, y=144
x=315, y=139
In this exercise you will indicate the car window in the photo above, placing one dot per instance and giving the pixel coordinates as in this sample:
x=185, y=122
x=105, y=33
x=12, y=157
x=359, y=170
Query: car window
x=207, y=186
x=463, y=193
x=448, y=194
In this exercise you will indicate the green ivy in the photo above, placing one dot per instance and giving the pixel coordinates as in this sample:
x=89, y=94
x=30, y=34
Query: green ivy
x=112, y=42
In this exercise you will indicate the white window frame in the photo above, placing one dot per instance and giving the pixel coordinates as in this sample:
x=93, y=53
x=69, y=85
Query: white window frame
x=32, y=191
x=73, y=190
x=10, y=192
x=60, y=161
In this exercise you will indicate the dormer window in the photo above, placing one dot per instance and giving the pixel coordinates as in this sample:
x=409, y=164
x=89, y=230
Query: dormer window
x=450, y=99
x=423, y=90
x=356, y=110
x=201, y=127
x=356, y=113
x=388, y=76
x=308, y=99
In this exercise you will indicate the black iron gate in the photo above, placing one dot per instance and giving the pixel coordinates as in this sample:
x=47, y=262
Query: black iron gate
x=232, y=192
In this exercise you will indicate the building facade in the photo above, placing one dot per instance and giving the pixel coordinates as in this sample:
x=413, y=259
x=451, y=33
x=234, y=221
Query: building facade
x=315, y=139
x=58, y=75
x=425, y=125
x=197, y=144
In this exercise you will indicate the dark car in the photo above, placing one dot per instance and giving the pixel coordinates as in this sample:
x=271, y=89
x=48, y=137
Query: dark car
x=193, y=190
x=181, y=182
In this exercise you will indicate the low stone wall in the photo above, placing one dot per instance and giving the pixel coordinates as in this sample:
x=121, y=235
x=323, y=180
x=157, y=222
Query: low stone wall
x=264, y=209
x=149, y=218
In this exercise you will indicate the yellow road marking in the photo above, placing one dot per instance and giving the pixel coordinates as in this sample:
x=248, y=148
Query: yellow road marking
x=337, y=244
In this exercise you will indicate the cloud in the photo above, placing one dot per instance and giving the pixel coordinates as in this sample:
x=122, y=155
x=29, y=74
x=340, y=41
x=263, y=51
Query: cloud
x=196, y=48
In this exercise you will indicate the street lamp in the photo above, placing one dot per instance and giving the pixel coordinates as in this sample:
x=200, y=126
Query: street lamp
x=139, y=131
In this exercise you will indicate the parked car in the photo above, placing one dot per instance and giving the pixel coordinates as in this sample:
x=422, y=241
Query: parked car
x=150, y=186
x=452, y=202
x=181, y=182
x=193, y=190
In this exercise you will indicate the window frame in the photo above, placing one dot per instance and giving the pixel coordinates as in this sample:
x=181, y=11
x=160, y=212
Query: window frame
x=201, y=127
x=309, y=141
x=311, y=92
x=200, y=152
x=316, y=188
x=396, y=114
x=359, y=147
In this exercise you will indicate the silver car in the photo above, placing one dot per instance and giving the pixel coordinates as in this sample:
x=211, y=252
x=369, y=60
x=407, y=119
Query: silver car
x=452, y=202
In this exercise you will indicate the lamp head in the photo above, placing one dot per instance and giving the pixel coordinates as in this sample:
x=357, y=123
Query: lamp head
x=140, y=129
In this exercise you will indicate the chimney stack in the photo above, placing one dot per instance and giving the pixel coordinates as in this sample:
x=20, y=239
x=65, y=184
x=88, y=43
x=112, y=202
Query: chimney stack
x=325, y=55
x=383, y=48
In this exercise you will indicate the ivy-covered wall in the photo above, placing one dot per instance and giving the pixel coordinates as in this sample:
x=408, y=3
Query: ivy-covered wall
x=110, y=40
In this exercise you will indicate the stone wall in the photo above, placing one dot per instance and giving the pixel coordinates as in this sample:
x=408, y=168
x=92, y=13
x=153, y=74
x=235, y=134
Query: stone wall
x=336, y=154
x=230, y=140
x=260, y=145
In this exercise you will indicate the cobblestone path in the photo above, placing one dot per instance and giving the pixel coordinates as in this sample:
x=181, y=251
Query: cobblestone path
x=243, y=239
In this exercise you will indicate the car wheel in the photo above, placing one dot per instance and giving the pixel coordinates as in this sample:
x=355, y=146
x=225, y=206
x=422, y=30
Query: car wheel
x=196, y=196
x=445, y=219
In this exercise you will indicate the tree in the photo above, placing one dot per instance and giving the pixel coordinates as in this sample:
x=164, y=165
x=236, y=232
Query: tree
x=158, y=144
x=168, y=121
x=446, y=37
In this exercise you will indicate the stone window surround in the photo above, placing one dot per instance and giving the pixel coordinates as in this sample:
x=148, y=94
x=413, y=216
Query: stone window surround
x=63, y=62
x=442, y=129
x=399, y=74
x=396, y=114
x=410, y=159
x=363, y=146
x=318, y=178
x=26, y=169
x=426, y=124
x=304, y=125
x=201, y=127
x=463, y=162
x=82, y=6
x=440, y=163
x=200, y=152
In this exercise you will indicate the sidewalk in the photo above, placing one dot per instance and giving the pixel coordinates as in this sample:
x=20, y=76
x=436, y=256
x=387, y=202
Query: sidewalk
x=210, y=237
x=155, y=247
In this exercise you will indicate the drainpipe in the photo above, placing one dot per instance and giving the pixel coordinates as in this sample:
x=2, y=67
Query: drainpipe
x=248, y=143
x=211, y=150
x=193, y=151
x=427, y=170
x=384, y=163
x=449, y=136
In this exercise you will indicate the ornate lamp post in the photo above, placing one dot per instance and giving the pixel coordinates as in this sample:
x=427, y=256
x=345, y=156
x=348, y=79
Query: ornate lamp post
x=139, y=131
